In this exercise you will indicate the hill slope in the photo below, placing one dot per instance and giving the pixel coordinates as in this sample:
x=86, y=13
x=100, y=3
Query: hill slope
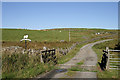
x=53, y=35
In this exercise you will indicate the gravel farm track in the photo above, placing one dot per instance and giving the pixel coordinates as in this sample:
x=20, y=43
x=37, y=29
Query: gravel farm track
x=85, y=54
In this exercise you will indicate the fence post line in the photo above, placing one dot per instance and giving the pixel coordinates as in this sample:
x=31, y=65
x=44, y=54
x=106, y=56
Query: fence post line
x=107, y=49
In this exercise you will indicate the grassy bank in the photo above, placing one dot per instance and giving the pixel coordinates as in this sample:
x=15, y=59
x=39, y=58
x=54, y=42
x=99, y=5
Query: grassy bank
x=23, y=66
x=98, y=49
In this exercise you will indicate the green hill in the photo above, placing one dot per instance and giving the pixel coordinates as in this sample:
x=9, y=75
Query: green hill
x=53, y=35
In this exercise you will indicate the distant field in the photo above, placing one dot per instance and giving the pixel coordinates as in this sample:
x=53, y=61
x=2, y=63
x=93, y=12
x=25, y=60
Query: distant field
x=34, y=35
x=51, y=37
x=53, y=34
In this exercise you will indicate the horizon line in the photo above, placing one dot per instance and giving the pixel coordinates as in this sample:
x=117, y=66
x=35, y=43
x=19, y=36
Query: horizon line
x=65, y=28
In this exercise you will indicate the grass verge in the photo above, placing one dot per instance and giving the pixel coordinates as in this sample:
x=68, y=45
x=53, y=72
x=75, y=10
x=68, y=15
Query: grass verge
x=98, y=49
x=69, y=55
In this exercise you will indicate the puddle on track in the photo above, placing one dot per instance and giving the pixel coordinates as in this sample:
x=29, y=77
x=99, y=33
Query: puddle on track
x=61, y=70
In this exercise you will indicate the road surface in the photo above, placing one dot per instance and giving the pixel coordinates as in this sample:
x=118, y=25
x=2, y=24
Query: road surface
x=85, y=54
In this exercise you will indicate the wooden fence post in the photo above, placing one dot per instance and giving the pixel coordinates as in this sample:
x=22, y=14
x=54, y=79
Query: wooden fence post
x=41, y=59
x=107, y=49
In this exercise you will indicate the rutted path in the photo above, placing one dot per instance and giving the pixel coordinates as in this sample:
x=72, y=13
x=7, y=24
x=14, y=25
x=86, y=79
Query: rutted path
x=90, y=60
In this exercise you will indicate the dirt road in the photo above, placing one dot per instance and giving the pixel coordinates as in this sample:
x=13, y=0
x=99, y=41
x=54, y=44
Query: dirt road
x=85, y=54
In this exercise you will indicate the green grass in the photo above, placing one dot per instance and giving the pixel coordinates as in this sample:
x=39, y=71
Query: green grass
x=50, y=38
x=98, y=49
x=34, y=35
x=77, y=34
x=22, y=66
x=70, y=73
x=77, y=67
x=108, y=74
x=80, y=63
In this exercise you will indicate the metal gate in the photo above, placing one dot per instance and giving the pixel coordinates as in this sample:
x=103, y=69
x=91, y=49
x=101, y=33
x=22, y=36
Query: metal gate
x=113, y=61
